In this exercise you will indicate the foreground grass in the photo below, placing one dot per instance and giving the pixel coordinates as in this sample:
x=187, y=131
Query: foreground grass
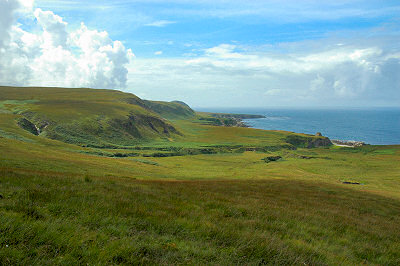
x=84, y=219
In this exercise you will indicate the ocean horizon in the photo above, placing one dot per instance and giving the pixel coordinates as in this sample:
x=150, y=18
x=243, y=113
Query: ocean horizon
x=376, y=126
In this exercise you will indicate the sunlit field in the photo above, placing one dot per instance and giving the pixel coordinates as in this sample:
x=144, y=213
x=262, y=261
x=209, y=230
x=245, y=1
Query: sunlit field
x=197, y=194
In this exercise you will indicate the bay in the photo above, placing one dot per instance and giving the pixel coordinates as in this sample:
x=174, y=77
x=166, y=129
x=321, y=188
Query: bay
x=379, y=126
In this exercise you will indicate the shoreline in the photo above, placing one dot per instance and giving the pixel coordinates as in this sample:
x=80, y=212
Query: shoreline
x=335, y=142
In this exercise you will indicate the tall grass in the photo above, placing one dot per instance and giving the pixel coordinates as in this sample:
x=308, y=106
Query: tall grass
x=66, y=219
x=202, y=195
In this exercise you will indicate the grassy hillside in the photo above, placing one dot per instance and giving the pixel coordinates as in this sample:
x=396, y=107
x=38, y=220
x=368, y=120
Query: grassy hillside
x=107, y=118
x=87, y=116
x=170, y=110
x=199, y=194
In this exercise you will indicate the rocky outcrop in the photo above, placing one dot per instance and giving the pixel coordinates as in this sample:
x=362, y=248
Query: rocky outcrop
x=320, y=142
x=348, y=143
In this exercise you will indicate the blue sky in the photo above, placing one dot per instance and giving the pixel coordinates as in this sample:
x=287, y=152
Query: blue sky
x=149, y=26
x=233, y=53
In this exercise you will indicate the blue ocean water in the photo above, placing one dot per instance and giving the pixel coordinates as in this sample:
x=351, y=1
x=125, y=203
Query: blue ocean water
x=373, y=126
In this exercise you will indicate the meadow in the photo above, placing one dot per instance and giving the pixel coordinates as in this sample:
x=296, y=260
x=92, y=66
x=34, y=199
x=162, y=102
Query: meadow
x=196, y=194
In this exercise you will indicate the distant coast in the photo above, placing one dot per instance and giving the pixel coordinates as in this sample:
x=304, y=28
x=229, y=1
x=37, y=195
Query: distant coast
x=228, y=120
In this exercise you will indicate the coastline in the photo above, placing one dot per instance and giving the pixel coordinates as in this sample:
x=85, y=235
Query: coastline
x=335, y=142
x=371, y=126
x=379, y=128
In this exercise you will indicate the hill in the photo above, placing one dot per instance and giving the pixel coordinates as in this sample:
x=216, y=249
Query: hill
x=170, y=110
x=81, y=182
x=109, y=118
x=90, y=117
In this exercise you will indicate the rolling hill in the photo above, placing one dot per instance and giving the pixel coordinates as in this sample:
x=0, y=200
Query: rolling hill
x=92, y=117
x=103, y=177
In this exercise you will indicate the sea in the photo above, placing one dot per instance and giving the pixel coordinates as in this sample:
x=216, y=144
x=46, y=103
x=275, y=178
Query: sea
x=377, y=126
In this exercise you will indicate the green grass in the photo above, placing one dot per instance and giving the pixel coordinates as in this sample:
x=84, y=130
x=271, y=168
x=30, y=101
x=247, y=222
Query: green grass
x=100, y=118
x=212, y=200
x=52, y=218
x=386, y=151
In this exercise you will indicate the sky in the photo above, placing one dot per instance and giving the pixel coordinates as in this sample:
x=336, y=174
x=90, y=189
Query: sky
x=209, y=53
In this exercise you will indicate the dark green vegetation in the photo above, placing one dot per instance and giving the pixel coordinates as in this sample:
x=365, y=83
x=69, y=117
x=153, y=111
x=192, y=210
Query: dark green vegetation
x=239, y=116
x=272, y=159
x=103, y=177
x=227, y=120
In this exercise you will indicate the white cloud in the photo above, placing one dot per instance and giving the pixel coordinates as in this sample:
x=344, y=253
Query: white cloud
x=57, y=55
x=351, y=74
x=7, y=10
x=327, y=71
x=160, y=23
x=224, y=51
x=54, y=28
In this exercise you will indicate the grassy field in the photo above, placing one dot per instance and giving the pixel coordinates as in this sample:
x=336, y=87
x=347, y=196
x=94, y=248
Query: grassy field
x=203, y=195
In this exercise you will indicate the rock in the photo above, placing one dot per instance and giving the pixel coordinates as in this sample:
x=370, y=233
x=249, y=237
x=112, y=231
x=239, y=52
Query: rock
x=350, y=143
x=318, y=134
x=320, y=142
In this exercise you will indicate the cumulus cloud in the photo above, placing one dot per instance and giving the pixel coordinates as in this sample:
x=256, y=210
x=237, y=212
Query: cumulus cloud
x=7, y=10
x=54, y=28
x=56, y=55
x=361, y=74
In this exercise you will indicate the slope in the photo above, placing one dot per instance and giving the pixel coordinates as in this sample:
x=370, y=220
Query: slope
x=85, y=116
x=205, y=195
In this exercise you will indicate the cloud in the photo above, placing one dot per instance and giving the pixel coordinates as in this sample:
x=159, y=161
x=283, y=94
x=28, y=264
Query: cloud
x=362, y=73
x=54, y=28
x=160, y=23
x=56, y=55
x=7, y=10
